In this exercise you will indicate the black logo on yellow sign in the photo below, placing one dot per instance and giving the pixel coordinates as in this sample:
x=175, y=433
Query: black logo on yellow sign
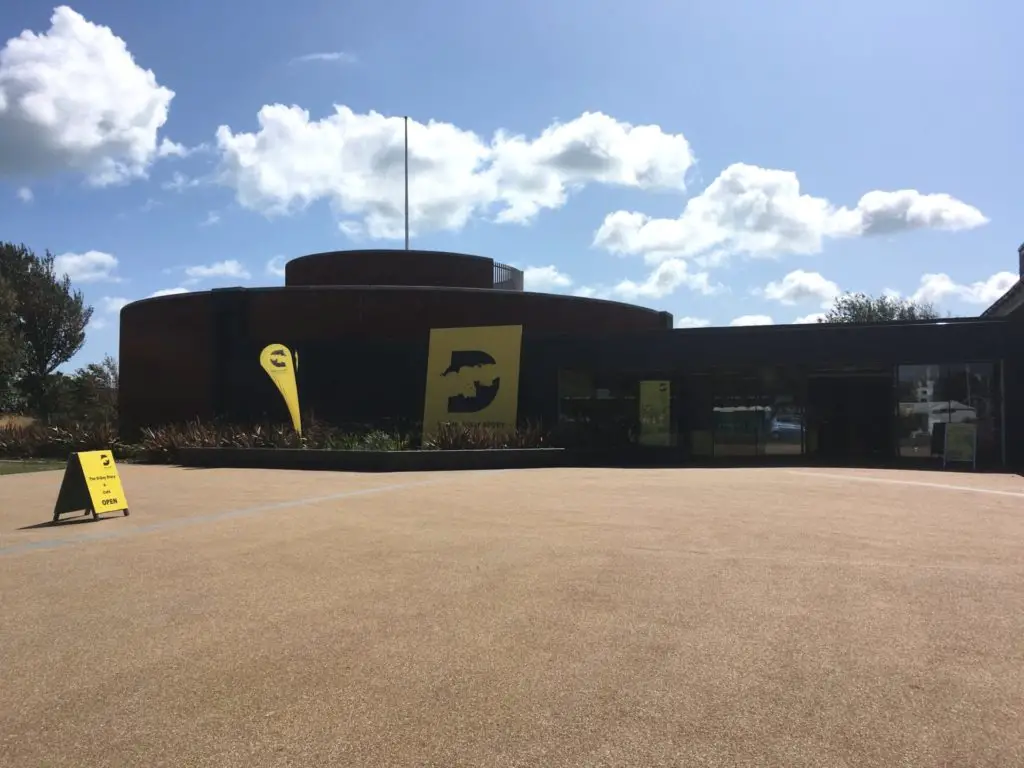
x=473, y=375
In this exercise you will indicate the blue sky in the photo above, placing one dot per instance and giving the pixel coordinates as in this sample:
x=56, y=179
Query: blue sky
x=725, y=161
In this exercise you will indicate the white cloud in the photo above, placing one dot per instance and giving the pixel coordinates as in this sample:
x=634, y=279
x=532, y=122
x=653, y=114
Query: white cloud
x=73, y=98
x=230, y=268
x=170, y=148
x=752, y=320
x=800, y=285
x=545, y=279
x=211, y=218
x=180, y=182
x=338, y=56
x=762, y=212
x=275, y=267
x=25, y=195
x=814, y=317
x=168, y=292
x=113, y=304
x=96, y=324
x=355, y=161
x=88, y=267
x=936, y=288
x=664, y=280
x=692, y=322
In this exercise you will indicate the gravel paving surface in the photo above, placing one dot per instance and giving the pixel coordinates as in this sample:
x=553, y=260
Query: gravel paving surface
x=727, y=617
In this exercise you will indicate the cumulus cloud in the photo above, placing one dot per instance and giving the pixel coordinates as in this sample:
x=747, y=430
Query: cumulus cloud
x=168, y=292
x=355, y=161
x=73, y=98
x=692, y=322
x=666, y=278
x=88, y=267
x=25, y=195
x=229, y=268
x=275, y=267
x=814, y=317
x=938, y=287
x=752, y=320
x=799, y=286
x=545, y=279
x=763, y=212
x=179, y=182
x=113, y=304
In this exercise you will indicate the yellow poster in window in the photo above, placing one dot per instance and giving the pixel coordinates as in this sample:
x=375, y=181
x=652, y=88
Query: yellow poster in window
x=655, y=413
x=280, y=365
x=473, y=376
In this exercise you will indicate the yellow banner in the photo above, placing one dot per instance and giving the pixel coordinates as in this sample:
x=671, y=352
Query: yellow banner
x=473, y=376
x=102, y=481
x=278, y=362
x=655, y=413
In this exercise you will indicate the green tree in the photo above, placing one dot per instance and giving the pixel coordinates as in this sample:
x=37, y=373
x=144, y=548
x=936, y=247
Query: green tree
x=862, y=308
x=50, y=320
x=10, y=347
x=93, y=391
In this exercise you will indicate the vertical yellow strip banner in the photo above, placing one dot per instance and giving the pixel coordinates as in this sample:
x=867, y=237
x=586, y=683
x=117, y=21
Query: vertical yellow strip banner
x=280, y=365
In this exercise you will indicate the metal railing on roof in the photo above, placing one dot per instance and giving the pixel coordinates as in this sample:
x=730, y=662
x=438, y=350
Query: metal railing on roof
x=507, y=278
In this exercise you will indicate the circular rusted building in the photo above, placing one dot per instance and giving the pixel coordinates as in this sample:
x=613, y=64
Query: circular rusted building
x=359, y=322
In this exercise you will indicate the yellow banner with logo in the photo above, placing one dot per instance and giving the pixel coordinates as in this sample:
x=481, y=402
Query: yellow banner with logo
x=473, y=376
x=279, y=363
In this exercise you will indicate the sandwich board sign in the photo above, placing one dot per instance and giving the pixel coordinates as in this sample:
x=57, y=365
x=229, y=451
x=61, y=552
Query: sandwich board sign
x=960, y=444
x=91, y=484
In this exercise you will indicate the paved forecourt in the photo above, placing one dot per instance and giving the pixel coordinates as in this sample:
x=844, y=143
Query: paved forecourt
x=544, y=617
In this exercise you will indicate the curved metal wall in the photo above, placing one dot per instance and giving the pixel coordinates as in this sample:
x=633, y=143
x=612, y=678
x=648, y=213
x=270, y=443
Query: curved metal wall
x=174, y=349
x=390, y=267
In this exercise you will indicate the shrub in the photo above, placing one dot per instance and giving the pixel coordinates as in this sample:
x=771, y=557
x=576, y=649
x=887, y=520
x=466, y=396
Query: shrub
x=37, y=441
x=452, y=436
x=161, y=445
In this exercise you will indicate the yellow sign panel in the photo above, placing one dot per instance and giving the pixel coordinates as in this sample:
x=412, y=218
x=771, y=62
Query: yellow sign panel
x=278, y=362
x=961, y=443
x=473, y=376
x=91, y=483
x=655, y=413
x=102, y=481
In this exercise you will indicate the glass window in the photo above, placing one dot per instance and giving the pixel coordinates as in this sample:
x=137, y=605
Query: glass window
x=597, y=411
x=932, y=396
x=920, y=392
x=783, y=432
x=741, y=415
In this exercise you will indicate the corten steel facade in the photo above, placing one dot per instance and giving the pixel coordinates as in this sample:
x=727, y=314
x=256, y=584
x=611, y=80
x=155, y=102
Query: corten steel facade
x=360, y=322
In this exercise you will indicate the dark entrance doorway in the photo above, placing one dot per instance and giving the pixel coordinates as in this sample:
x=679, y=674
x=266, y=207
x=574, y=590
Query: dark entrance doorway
x=852, y=416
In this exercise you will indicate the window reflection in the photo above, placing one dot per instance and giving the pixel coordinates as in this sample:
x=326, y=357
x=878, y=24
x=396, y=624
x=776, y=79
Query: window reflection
x=932, y=396
x=596, y=410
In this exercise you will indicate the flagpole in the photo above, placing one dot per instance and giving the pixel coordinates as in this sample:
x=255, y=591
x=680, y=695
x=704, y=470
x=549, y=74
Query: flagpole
x=407, y=182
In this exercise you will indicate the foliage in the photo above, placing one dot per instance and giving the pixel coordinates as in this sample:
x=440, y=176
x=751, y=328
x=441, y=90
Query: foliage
x=451, y=436
x=48, y=321
x=90, y=394
x=161, y=445
x=25, y=440
x=42, y=441
x=862, y=308
x=11, y=352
